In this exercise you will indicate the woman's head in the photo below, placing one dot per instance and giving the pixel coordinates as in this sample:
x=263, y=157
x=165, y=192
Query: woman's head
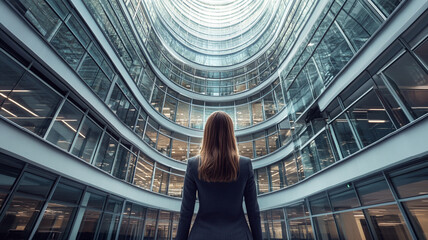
x=219, y=152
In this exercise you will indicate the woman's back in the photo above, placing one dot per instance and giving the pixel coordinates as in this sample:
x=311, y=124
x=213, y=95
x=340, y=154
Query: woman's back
x=222, y=180
x=220, y=214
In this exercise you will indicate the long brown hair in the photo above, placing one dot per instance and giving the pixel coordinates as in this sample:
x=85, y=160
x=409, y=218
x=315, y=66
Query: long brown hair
x=219, y=152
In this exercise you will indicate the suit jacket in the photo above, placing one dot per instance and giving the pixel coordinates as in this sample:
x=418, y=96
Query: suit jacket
x=220, y=214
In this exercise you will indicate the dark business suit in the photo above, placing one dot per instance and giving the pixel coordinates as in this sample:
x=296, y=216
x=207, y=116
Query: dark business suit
x=220, y=214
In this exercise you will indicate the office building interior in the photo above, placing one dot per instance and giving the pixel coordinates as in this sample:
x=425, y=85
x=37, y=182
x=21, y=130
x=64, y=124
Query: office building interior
x=103, y=101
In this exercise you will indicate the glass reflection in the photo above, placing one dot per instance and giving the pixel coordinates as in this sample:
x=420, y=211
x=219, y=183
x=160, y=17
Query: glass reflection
x=344, y=136
x=413, y=183
x=388, y=222
x=352, y=225
x=411, y=81
x=87, y=140
x=66, y=126
x=370, y=119
x=55, y=221
x=325, y=227
x=374, y=191
x=31, y=104
x=301, y=229
x=418, y=215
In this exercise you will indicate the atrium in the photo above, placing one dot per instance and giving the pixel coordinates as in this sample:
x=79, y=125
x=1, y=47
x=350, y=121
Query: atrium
x=103, y=101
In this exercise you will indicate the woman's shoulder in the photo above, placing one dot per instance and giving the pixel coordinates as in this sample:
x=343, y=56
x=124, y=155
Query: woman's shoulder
x=193, y=161
x=244, y=160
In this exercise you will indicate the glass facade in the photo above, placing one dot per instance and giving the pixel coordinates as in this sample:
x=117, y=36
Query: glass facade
x=153, y=72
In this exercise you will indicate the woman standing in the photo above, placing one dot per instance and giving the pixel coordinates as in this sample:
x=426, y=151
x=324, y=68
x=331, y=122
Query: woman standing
x=222, y=179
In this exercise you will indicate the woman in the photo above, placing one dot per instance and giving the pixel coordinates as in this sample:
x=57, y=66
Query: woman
x=222, y=179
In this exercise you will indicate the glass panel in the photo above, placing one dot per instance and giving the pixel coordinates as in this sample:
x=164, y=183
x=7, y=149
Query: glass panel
x=19, y=218
x=114, y=205
x=90, y=72
x=145, y=85
x=93, y=200
x=182, y=117
x=59, y=8
x=257, y=112
x=352, y=225
x=343, y=198
x=87, y=140
x=88, y=225
x=121, y=162
x=164, y=229
x=344, y=136
x=269, y=105
x=357, y=23
x=11, y=73
x=298, y=210
x=246, y=149
x=332, y=54
x=290, y=170
x=66, y=193
x=325, y=227
x=374, y=191
x=151, y=135
x=285, y=136
x=65, y=126
x=370, y=119
x=421, y=51
x=387, y=6
x=164, y=145
x=262, y=180
x=274, y=142
x=40, y=15
x=106, y=153
x=412, y=183
x=179, y=150
x=116, y=99
x=418, y=215
x=243, y=116
x=141, y=123
x=388, y=222
x=131, y=168
x=150, y=226
x=278, y=231
x=411, y=81
x=108, y=227
x=301, y=229
x=265, y=226
x=143, y=174
x=78, y=31
x=391, y=102
x=157, y=98
x=67, y=46
x=31, y=104
x=310, y=162
x=276, y=176
x=169, y=108
x=174, y=226
x=260, y=145
x=8, y=176
x=299, y=95
x=56, y=221
x=160, y=181
x=196, y=119
x=324, y=150
x=319, y=204
x=34, y=185
x=176, y=184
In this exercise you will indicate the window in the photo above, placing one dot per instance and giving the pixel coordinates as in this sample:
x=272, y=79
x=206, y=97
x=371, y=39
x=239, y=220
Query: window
x=66, y=126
